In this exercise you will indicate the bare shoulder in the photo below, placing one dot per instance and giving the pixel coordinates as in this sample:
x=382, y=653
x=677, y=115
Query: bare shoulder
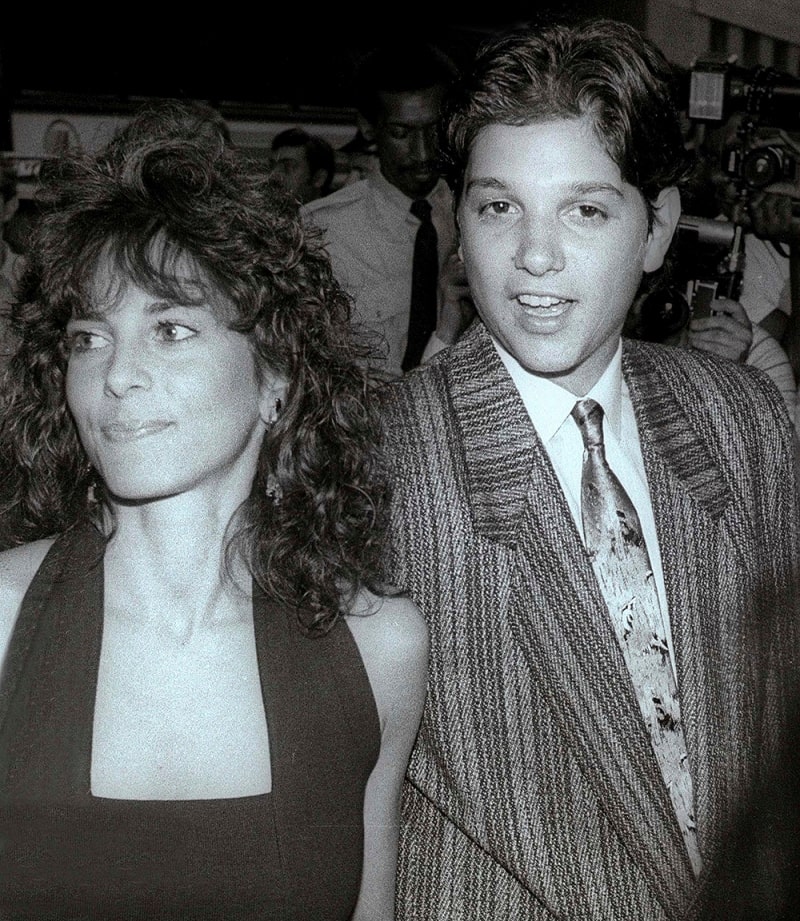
x=393, y=640
x=17, y=568
x=389, y=627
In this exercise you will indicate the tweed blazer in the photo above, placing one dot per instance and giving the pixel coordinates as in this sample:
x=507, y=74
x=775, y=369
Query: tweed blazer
x=532, y=790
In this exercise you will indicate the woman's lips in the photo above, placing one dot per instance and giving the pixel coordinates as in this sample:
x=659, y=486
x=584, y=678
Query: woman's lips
x=132, y=431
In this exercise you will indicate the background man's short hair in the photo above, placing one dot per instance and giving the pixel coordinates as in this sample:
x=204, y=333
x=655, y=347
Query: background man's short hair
x=319, y=152
x=399, y=67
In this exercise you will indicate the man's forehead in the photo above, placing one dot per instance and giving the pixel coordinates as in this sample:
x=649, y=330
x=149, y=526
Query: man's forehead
x=412, y=107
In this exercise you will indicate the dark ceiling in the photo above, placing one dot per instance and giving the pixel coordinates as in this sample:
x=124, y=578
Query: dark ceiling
x=302, y=60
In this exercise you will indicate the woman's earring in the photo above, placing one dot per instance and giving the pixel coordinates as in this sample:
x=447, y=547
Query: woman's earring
x=273, y=486
x=274, y=418
x=273, y=489
x=93, y=489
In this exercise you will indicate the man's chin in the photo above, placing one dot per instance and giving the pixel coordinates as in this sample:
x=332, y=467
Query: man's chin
x=420, y=184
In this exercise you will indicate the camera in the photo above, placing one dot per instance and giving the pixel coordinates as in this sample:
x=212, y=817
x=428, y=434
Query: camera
x=770, y=97
x=768, y=101
x=762, y=166
x=707, y=265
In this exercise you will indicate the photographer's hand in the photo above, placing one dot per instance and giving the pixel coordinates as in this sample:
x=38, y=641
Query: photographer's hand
x=728, y=332
x=780, y=138
x=456, y=309
x=770, y=213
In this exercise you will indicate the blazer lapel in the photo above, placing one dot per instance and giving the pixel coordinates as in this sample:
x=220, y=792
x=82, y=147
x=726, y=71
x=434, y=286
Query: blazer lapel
x=495, y=431
x=689, y=495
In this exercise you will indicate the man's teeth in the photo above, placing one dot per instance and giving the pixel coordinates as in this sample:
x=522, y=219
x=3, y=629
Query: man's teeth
x=530, y=301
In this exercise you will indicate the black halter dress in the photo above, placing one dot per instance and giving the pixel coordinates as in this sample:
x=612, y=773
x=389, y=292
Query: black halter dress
x=294, y=853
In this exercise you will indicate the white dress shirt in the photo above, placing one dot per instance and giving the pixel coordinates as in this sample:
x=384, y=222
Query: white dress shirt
x=370, y=233
x=549, y=407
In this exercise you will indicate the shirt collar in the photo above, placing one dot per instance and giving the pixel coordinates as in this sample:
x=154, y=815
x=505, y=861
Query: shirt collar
x=548, y=404
x=399, y=199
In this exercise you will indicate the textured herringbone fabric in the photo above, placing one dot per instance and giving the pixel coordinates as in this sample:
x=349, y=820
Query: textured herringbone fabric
x=621, y=562
x=422, y=318
x=533, y=791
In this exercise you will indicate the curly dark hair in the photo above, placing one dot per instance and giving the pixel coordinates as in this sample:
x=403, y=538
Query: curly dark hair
x=597, y=67
x=159, y=192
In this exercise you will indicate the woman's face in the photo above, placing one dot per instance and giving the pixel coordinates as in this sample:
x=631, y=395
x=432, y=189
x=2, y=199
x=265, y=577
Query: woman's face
x=166, y=398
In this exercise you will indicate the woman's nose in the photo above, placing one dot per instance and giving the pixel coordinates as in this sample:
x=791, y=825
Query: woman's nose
x=126, y=369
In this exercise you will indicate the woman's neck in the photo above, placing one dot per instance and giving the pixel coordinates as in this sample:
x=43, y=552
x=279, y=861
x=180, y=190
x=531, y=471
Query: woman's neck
x=166, y=561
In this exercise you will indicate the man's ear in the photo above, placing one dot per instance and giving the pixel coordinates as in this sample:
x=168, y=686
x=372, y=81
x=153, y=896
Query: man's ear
x=666, y=214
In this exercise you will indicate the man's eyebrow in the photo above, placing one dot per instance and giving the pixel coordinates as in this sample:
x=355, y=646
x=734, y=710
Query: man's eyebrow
x=588, y=188
x=488, y=183
x=492, y=184
x=411, y=126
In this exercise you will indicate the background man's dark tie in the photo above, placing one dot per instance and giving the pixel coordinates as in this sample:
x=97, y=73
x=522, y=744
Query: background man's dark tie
x=424, y=279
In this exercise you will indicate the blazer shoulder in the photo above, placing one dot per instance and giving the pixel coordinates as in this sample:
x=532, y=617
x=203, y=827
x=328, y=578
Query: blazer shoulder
x=692, y=370
x=723, y=400
x=419, y=393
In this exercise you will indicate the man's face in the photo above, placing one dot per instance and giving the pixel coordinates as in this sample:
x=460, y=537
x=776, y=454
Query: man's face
x=555, y=243
x=290, y=165
x=406, y=139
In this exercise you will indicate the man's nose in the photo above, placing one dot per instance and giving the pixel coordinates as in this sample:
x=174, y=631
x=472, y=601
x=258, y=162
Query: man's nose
x=540, y=248
x=424, y=144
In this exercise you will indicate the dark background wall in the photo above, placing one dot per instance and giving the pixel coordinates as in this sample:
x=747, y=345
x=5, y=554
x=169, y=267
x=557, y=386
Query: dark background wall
x=270, y=56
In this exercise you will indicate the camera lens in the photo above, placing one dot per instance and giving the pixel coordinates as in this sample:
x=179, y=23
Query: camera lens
x=663, y=313
x=762, y=167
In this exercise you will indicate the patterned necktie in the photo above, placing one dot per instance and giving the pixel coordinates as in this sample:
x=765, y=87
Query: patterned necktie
x=424, y=279
x=621, y=563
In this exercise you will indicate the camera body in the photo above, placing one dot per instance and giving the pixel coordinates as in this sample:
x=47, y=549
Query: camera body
x=770, y=97
x=769, y=102
x=707, y=265
x=762, y=166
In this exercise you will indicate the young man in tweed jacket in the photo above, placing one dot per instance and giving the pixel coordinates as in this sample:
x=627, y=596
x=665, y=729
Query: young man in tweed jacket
x=534, y=791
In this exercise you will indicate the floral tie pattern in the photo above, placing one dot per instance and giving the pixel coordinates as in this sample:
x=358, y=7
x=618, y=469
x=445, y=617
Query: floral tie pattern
x=621, y=562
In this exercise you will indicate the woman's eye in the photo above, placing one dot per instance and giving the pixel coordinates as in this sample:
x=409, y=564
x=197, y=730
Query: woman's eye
x=83, y=340
x=174, y=332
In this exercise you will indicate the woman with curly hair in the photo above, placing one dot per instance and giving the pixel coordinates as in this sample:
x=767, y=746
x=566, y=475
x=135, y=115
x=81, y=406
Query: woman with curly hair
x=208, y=696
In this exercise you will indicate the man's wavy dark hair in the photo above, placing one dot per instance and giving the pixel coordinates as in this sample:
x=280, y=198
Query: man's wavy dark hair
x=163, y=190
x=601, y=68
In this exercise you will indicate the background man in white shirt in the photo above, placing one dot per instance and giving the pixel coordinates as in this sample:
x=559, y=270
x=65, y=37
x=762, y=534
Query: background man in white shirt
x=367, y=225
x=305, y=163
